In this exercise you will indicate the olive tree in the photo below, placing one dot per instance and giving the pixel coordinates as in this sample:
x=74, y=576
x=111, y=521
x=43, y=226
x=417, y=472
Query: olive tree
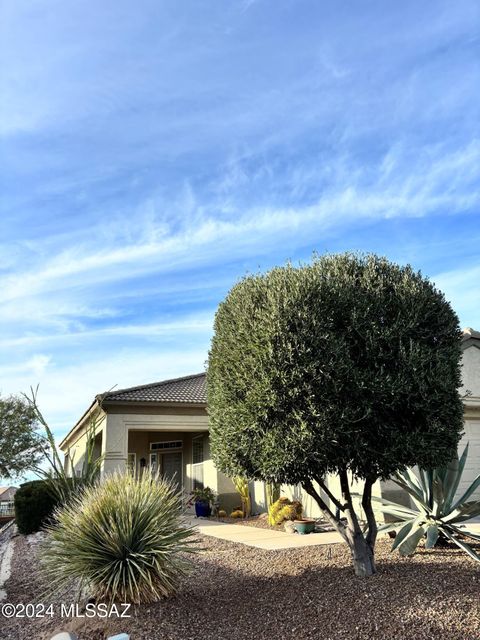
x=348, y=365
x=21, y=446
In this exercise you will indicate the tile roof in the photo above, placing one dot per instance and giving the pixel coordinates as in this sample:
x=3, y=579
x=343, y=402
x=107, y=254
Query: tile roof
x=470, y=338
x=189, y=389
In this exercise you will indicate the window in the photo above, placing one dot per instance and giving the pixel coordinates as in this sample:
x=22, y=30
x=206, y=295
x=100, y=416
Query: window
x=197, y=450
x=7, y=508
x=132, y=463
x=172, y=444
x=198, y=455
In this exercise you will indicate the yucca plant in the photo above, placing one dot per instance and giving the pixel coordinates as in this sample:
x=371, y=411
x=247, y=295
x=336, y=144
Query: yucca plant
x=123, y=539
x=436, y=512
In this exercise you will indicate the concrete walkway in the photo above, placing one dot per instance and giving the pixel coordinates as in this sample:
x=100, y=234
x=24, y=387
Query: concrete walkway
x=262, y=538
x=269, y=539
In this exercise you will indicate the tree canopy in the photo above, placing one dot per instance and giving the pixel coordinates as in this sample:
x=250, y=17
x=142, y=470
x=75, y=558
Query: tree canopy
x=349, y=363
x=21, y=446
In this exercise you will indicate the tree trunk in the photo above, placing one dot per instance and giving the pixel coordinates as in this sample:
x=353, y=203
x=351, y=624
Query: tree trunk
x=361, y=543
x=362, y=555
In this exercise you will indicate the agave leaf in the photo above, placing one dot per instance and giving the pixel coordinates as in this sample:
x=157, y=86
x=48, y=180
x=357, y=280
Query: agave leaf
x=425, y=486
x=390, y=526
x=432, y=536
x=437, y=495
x=475, y=484
x=470, y=534
x=453, y=474
x=384, y=503
x=408, y=546
x=465, y=512
x=415, y=495
x=402, y=534
x=463, y=545
x=411, y=480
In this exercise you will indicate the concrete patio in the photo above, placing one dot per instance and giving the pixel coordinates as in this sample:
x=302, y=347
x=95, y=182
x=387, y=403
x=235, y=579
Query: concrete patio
x=261, y=538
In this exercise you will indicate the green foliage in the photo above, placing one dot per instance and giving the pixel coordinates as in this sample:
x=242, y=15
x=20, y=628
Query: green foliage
x=284, y=509
x=241, y=485
x=435, y=512
x=63, y=479
x=205, y=495
x=34, y=506
x=350, y=362
x=122, y=540
x=21, y=446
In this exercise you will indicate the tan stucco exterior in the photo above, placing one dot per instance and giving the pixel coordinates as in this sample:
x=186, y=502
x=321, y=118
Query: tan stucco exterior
x=131, y=428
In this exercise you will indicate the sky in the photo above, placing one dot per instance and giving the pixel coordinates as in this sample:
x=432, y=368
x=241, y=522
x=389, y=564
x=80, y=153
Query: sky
x=154, y=152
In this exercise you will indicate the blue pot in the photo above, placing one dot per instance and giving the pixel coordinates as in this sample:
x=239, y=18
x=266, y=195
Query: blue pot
x=304, y=526
x=203, y=509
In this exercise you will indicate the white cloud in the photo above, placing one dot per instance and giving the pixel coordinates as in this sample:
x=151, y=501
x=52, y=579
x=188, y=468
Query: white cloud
x=439, y=182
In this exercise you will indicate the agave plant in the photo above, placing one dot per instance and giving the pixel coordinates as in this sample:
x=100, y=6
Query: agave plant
x=123, y=539
x=435, y=511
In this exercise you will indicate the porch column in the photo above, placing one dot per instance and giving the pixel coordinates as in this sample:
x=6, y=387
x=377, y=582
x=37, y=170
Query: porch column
x=114, y=444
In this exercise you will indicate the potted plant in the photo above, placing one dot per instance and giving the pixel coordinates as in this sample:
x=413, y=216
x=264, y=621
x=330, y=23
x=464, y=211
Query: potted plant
x=304, y=526
x=203, y=500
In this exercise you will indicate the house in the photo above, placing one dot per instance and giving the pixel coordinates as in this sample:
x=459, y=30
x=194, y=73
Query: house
x=164, y=425
x=6, y=501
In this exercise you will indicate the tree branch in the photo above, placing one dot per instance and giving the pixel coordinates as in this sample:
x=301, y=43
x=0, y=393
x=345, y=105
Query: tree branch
x=352, y=518
x=338, y=526
x=336, y=501
x=367, y=507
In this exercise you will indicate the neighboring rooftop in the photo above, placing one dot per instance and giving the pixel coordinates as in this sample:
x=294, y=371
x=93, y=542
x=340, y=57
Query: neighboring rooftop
x=470, y=337
x=7, y=493
x=189, y=389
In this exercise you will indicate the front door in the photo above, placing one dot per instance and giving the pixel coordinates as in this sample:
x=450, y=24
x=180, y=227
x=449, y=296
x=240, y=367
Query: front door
x=171, y=466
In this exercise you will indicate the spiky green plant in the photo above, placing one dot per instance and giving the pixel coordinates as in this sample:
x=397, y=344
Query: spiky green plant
x=435, y=511
x=241, y=485
x=62, y=479
x=122, y=539
x=284, y=509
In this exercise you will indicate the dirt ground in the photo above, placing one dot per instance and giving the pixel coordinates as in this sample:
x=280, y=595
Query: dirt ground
x=235, y=591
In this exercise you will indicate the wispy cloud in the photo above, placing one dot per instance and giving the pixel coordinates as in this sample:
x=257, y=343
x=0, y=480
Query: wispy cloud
x=151, y=157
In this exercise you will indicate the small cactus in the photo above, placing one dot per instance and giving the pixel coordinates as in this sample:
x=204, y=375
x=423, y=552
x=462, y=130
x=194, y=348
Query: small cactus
x=238, y=513
x=284, y=509
x=222, y=514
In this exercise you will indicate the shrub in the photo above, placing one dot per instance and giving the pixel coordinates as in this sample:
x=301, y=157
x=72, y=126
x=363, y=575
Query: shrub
x=222, y=513
x=122, y=539
x=349, y=365
x=284, y=509
x=238, y=513
x=34, y=506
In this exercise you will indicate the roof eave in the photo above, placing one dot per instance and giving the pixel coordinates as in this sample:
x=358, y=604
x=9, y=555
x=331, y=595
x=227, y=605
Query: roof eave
x=153, y=403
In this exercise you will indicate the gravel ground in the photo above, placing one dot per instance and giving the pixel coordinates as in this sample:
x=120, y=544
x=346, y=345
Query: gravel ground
x=246, y=593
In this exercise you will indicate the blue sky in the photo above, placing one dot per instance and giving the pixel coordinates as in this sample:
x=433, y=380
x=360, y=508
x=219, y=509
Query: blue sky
x=153, y=152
